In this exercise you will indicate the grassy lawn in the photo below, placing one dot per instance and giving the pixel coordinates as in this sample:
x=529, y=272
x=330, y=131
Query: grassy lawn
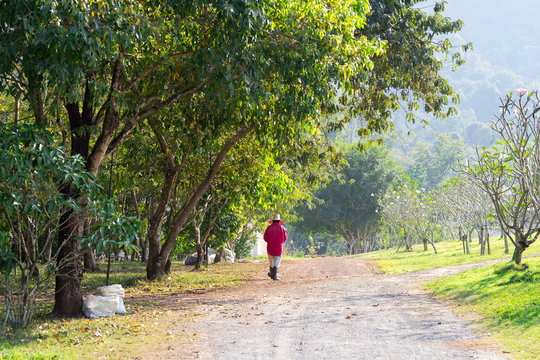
x=448, y=253
x=506, y=298
x=121, y=336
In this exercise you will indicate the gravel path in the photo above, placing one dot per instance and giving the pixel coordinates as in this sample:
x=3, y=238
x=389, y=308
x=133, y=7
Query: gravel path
x=333, y=308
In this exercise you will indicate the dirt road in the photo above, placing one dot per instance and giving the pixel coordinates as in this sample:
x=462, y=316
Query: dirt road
x=332, y=308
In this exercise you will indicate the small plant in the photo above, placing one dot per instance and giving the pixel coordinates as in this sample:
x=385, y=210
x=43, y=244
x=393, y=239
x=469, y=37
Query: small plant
x=112, y=232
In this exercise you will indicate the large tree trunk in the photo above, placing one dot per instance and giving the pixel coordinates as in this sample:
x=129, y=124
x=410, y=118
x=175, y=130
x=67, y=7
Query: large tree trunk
x=518, y=252
x=68, y=297
x=156, y=263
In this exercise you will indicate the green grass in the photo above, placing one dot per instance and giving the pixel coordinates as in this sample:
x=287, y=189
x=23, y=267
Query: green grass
x=448, y=253
x=8, y=353
x=508, y=300
x=121, y=336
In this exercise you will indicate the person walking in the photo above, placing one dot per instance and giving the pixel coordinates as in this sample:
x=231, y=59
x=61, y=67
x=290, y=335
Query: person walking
x=275, y=235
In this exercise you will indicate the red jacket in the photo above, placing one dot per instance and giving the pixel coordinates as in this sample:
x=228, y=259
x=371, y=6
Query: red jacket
x=275, y=235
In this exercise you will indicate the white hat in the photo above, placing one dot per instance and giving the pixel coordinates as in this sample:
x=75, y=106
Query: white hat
x=276, y=217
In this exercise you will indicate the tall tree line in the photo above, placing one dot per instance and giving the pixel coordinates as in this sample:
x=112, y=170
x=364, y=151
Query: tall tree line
x=199, y=97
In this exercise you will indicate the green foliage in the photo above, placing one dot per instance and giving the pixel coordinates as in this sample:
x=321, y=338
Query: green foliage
x=407, y=33
x=348, y=205
x=32, y=176
x=32, y=172
x=300, y=243
x=112, y=232
x=433, y=163
x=244, y=244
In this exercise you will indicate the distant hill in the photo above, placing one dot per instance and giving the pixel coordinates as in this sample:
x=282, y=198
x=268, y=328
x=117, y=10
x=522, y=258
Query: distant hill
x=505, y=57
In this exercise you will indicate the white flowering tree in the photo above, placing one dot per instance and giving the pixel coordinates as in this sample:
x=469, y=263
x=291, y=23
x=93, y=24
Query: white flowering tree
x=398, y=215
x=471, y=208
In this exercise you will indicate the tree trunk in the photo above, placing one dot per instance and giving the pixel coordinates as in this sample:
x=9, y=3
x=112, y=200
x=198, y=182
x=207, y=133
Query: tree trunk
x=47, y=249
x=487, y=241
x=432, y=242
x=156, y=262
x=518, y=252
x=408, y=247
x=156, y=257
x=506, y=251
x=200, y=248
x=17, y=110
x=217, y=259
x=168, y=265
x=68, y=297
x=90, y=264
x=144, y=239
x=462, y=241
x=481, y=241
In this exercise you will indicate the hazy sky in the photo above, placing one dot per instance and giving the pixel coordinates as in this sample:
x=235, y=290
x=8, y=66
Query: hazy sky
x=504, y=33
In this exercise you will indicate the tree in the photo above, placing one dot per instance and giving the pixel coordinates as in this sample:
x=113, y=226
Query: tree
x=111, y=233
x=95, y=71
x=470, y=206
x=398, y=215
x=506, y=171
x=102, y=62
x=407, y=75
x=426, y=221
x=278, y=99
x=348, y=206
x=32, y=172
x=434, y=163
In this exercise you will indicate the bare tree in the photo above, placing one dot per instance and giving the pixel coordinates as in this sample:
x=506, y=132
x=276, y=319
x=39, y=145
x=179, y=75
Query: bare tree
x=508, y=171
x=470, y=206
x=426, y=219
x=398, y=214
